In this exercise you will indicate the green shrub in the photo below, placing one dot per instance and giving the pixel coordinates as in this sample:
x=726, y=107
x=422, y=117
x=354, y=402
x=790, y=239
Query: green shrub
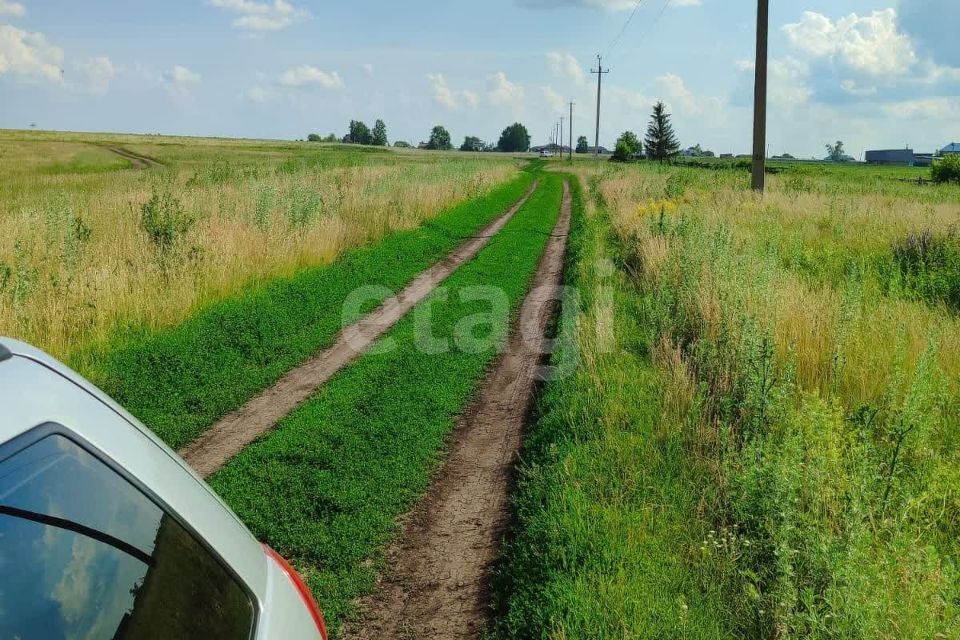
x=929, y=266
x=164, y=221
x=946, y=170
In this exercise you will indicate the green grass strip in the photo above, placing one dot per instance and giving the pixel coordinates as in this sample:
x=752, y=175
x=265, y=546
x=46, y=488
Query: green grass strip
x=605, y=505
x=325, y=488
x=180, y=380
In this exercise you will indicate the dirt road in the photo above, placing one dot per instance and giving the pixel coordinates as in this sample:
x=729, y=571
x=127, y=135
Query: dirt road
x=228, y=436
x=136, y=161
x=437, y=586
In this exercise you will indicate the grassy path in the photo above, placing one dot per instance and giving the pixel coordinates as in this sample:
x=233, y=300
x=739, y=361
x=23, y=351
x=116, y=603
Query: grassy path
x=230, y=435
x=326, y=486
x=437, y=584
x=181, y=380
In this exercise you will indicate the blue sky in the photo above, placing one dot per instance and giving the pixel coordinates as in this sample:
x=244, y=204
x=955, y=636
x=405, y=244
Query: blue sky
x=874, y=73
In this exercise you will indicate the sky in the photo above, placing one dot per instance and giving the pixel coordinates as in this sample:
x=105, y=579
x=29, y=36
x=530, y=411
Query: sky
x=873, y=73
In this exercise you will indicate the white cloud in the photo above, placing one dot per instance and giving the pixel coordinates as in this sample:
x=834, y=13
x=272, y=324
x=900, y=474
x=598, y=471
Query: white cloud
x=29, y=56
x=253, y=15
x=449, y=98
x=177, y=81
x=308, y=75
x=870, y=44
x=554, y=99
x=564, y=65
x=14, y=9
x=368, y=69
x=503, y=92
x=95, y=74
x=945, y=108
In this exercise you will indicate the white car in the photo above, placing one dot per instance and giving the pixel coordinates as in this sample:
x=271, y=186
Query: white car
x=546, y=154
x=106, y=533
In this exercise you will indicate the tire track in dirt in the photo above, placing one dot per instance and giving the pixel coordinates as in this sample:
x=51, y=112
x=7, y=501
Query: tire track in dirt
x=232, y=433
x=136, y=161
x=437, y=585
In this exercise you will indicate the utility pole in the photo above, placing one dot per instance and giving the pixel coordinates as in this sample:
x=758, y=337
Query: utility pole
x=600, y=71
x=561, y=137
x=760, y=97
x=570, y=128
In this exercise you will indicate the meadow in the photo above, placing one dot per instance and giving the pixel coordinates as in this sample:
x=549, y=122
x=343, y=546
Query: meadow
x=90, y=248
x=760, y=440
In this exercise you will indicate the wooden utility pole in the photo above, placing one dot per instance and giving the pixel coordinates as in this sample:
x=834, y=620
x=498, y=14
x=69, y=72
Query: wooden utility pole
x=561, y=137
x=760, y=97
x=599, y=71
x=570, y=127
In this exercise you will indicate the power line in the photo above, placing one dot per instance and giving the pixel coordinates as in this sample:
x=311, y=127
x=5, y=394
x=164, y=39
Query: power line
x=626, y=25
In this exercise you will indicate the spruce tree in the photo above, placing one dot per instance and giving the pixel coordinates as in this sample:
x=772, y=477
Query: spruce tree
x=661, y=142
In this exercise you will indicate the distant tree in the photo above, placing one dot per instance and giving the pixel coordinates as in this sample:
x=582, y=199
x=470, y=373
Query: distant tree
x=401, y=144
x=697, y=151
x=628, y=145
x=472, y=143
x=314, y=137
x=439, y=139
x=661, y=141
x=582, y=145
x=514, y=138
x=330, y=137
x=379, y=136
x=835, y=152
x=359, y=133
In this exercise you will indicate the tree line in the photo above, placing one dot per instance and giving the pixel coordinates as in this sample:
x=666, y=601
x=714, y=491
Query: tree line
x=514, y=138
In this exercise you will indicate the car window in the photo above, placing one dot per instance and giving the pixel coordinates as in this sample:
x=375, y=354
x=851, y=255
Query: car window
x=85, y=554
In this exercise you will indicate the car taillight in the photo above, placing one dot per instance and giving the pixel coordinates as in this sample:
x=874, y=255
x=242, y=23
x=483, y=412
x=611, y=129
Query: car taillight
x=301, y=587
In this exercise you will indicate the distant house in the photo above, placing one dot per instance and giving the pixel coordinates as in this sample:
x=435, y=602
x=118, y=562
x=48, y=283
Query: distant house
x=726, y=156
x=951, y=149
x=603, y=150
x=899, y=157
x=922, y=159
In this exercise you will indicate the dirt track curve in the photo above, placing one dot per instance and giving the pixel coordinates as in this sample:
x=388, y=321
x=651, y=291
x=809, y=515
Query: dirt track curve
x=437, y=586
x=136, y=161
x=232, y=433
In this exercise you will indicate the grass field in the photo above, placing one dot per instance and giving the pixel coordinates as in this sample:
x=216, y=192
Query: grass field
x=757, y=436
x=90, y=248
x=761, y=438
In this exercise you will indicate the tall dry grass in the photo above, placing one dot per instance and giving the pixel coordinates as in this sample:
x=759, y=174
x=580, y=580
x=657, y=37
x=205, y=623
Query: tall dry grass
x=77, y=263
x=817, y=386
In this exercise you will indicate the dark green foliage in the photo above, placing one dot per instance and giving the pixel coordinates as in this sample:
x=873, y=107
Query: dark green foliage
x=661, y=141
x=379, y=136
x=514, y=138
x=472, y=143
x=946, y=170
x=628, y=146
x=439, y=139
x=314, y=137
x=358, y=133
x=929, y=266
x=582, y=145
x=326, y=487
x=835, y=152
x=401, y=144
x=180, y=380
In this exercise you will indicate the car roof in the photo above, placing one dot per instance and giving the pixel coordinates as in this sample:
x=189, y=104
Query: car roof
x=36, y=389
